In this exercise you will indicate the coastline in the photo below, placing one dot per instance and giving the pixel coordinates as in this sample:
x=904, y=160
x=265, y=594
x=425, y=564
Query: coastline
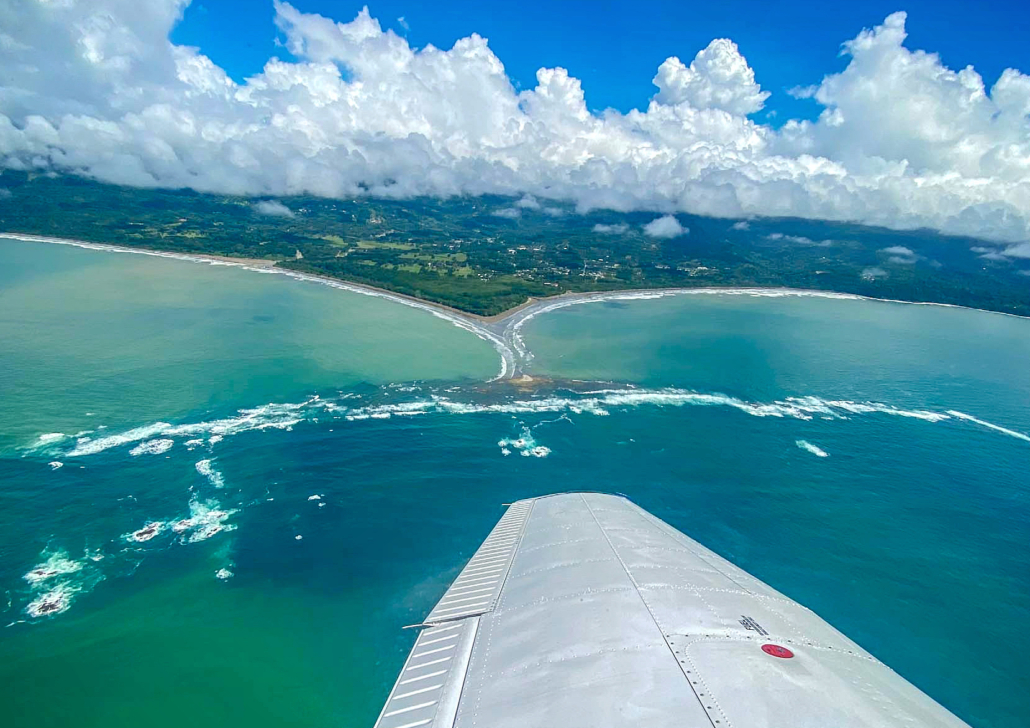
x=503, y=330
x=572, y=297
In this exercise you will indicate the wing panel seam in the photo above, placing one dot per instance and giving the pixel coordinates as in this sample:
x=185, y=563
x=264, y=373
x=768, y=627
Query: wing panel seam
x=651, y=614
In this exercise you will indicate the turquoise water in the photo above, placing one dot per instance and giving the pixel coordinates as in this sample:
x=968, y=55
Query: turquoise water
x=911, y=534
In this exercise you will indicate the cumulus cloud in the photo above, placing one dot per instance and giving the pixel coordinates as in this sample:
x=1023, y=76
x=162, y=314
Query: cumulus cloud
x=666, y=226
x=96, y=88
x=528, y=202
x=900, y=255
x=741, y=225
x=872, y=274
x=718, y=78
x=511, y=213
x=615, y=229
x=272, y=207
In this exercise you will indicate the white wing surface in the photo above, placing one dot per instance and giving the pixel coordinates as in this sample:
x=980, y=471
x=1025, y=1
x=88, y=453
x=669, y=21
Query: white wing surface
x=584, y=610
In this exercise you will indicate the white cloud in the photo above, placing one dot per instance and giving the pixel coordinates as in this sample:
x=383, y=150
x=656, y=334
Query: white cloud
x=272, y=207
x=528, y=202
x=5, y=193
x=800, y=240
x=616, y=229
x=511, y=213
x=718, y=78
x=742, y=225
x=802, y=92
x=900, y=255
x=871, y=274
x=96, y=88
x=665, y=227
x=1017, y=251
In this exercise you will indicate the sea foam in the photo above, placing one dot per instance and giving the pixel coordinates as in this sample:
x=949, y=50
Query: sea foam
x=996, y=428
x=214, y=477
x=91, y=446
x=526, y=445
x=55, y=601
x=55, y=581
x=809, y=447
x=598, y=402
x=152, y=447
x=57, y=564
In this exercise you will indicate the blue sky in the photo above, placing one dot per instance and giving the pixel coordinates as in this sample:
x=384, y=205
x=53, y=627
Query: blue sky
x=615, y=46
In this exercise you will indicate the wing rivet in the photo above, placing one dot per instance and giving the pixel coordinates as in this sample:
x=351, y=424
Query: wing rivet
x=777, y=651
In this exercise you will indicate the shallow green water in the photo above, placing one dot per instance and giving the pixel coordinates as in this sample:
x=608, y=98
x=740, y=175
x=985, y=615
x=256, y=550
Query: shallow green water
x=910, y=536
x=133, y=338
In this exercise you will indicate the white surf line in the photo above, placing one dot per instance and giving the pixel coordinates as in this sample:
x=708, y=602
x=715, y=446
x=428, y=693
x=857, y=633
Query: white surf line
x=513, y=324
x=462, y=322
x=283, y=416
x=509, y=344
x=513, y=329
x=990, y=425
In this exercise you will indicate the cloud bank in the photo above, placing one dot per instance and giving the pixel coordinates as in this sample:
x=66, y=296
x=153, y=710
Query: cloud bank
x=94, y=87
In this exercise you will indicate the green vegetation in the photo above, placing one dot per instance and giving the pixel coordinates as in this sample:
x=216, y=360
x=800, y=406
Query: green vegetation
x=459, y=253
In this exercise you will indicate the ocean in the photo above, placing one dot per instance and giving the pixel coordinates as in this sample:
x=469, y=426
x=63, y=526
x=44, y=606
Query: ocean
x=223, y=492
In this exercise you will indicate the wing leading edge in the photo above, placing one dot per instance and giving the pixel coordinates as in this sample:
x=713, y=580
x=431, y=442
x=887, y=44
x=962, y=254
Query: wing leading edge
x=583, y=609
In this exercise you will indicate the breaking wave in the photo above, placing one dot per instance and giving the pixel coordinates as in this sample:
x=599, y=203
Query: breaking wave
x=203, y=521
x=526, y=445
x=56, y=581
x=513, y=329
x=214, y=477
x=91, y=446
x=152, y=447
x=159, y=436
x=57, y=564
x=989, y=425
x=809, y=447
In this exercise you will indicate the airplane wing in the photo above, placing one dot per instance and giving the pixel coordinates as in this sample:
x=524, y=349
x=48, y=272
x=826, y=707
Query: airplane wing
x=584, y=610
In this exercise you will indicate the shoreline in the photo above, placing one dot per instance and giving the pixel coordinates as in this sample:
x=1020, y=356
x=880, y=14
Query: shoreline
x=503, y=330
x=268, y=265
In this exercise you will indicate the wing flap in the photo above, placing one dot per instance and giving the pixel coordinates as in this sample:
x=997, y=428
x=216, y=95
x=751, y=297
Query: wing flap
x=427, y=691
x=477, y=587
